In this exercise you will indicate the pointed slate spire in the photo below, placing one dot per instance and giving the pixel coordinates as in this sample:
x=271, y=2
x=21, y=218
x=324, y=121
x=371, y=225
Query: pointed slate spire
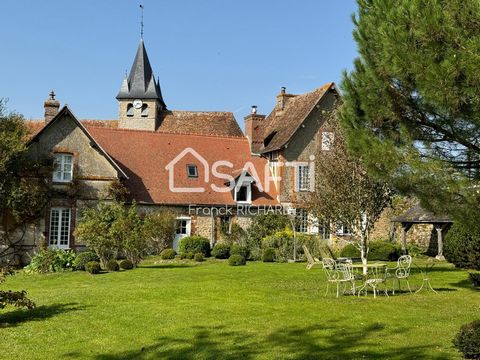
x=141, y=83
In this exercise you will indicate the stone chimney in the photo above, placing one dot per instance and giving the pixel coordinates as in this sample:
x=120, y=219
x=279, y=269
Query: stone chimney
x=51, y=107
x=283, y=98
x=252, y=125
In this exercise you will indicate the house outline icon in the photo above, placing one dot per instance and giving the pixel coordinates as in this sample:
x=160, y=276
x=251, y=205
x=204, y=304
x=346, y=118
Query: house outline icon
x=171, y=171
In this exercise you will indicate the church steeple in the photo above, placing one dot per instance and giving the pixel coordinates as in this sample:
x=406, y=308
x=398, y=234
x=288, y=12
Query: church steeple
x=140, y=98
x=141, y=83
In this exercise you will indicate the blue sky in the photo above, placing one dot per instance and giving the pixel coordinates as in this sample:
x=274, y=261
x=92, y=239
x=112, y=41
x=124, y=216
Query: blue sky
x=210, y=55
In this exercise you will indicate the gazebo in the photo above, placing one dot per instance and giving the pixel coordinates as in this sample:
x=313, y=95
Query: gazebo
x=418, y=215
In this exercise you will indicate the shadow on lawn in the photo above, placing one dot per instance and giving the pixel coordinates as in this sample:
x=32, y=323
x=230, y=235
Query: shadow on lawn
x=16, y=317
x=333, y=340
x=165, y=266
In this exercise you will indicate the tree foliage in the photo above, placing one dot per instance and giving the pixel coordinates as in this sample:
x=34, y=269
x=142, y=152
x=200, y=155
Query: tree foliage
x=411, y=105
x=15, y=298
x=345, y=194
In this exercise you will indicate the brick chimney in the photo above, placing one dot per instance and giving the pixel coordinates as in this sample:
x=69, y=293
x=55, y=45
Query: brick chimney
x=51, y=107
x=252, y=125
x=283, y=98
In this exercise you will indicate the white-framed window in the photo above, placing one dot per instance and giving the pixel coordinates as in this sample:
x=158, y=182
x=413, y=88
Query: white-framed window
x=59, y=229
x=62, y=167
x=243, y=193
x=192, y=171
x=183, y=226
x=301, y=223
x=327, y=140
x=343, y=230
x=303, y=177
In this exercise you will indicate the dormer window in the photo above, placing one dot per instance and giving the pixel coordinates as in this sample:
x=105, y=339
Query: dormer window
x=62, y=168
x=144, y=110
x=269, y=138
x=192, y=171
x=130, y=110
x=243, y=194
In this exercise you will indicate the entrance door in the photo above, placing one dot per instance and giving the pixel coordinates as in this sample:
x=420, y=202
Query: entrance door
x=183, y=229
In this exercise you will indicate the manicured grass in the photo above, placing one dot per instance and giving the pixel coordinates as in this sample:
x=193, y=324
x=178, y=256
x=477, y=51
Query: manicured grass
x=213, y=311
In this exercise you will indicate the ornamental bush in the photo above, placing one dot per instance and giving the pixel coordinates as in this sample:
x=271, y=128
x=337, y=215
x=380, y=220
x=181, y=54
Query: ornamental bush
x=126, y=264
x=236, y=260
x=350, y=251
x=467, y=340
x=239, y=250
x=84, y=257
x=475, y=279
x=378, y=250
x=198, y=257
x=221, y=251
x=112, y=265
x=462, y=247
x=93, y=267
x=268, y=255
x=195, y=244
x=51, y=260
x=168, y=254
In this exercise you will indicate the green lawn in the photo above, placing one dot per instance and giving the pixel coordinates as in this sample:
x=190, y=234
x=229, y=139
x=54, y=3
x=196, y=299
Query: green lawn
x=214, y=311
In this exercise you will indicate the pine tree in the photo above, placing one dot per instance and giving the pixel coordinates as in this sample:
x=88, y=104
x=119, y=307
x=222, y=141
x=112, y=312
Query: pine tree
x=412, y=103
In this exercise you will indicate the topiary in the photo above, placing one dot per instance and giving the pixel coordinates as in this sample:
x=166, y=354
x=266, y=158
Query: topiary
x=112, y=265
x=268, y=255
x=221, y=251
x=189, y=255
x=239, y=250
x=126, y=264
x=195, y=244
x=468, y=340
x=350, y=251
x=198, y=257
x=93, y=267
x=383, y=250
x=475, y=279
x=462, y=247
x=168, y=254
x=236, y=260
x=83, y=258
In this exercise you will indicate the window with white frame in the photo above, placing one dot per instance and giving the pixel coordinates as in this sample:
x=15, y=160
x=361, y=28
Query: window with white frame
x=327, y=140
x=303, y=178
x=62, y=167
x=343, y=230
x=192, y=171
x=59, y=230
x=182, y=227
x=243, y=193
x=301, y=223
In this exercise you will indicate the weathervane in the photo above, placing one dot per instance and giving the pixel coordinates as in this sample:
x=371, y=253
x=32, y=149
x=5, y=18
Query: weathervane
x=141, y=22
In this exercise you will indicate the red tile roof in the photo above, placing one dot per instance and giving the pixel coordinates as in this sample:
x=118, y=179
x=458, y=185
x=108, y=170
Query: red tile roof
x=144, y=156
x=281, y=125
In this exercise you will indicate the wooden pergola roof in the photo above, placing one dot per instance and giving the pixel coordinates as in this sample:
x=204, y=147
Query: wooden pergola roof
x=418, y=215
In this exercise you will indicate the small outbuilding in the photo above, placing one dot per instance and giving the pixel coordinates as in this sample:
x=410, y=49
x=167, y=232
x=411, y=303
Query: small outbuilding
x=418, y=215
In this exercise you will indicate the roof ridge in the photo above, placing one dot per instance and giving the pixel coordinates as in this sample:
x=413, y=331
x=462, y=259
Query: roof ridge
x=169, y=133
x=204, y=111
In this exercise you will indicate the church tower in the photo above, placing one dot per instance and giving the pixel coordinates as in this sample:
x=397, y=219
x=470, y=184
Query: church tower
x=140, y=98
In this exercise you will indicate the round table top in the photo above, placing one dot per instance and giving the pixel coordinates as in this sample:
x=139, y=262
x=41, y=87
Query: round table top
x=369, y=265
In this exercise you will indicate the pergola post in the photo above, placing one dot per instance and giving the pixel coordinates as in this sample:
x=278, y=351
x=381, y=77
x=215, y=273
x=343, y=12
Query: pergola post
x=439, y=228
x=405, y=227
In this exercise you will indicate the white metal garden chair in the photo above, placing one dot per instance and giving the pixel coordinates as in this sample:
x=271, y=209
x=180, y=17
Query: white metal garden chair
x=311, y=261
x=339, y=274
x=401, y=272
x=378, y=278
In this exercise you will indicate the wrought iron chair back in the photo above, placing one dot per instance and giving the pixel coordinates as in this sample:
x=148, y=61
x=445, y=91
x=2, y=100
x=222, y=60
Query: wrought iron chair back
x=346, y=271
x=403, y=267
x=330, y=269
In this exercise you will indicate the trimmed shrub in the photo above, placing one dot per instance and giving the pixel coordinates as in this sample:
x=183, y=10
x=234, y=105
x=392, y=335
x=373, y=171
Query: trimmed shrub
x=236, y=260
x=168, y=254
x=262, y=226
x=198, y=257
x=93, y=267
x=475, y=279
x=268, y=255
x=350, y=251
x=195, y=244
x=462, y=247
x=467, y=340
x=414, y=250
x=126, y=264
x=83, y=258
x=383, y=250
x=239, y=250
x=221, y=251
x=112, y=265
x=189, y=255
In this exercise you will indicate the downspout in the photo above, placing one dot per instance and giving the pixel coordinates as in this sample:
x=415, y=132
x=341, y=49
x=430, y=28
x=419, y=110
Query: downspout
x=212, y=230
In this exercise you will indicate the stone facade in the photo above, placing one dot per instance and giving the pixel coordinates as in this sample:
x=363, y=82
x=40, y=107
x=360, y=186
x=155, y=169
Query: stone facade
x=137, y=121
